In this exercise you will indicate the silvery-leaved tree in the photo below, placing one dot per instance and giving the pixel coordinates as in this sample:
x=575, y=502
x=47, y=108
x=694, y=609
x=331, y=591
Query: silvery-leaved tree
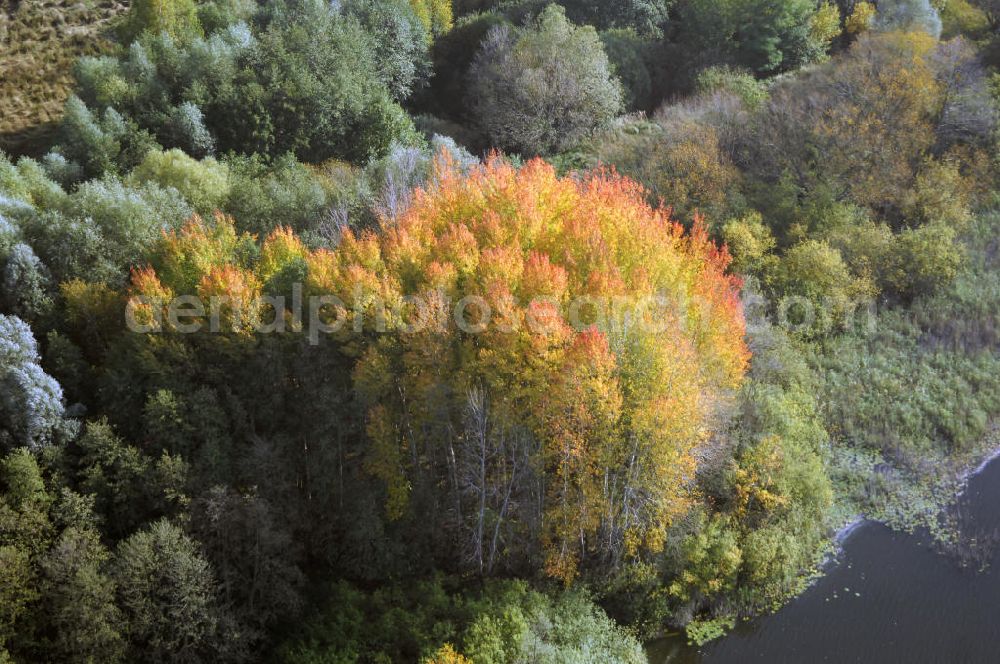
x=908, y=16
x=31, y=406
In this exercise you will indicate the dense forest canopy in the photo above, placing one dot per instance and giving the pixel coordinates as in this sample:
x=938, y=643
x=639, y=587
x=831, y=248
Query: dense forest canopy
x=483, y=330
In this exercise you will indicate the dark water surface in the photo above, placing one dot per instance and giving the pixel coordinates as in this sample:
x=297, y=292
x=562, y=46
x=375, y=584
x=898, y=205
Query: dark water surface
x=889, y=597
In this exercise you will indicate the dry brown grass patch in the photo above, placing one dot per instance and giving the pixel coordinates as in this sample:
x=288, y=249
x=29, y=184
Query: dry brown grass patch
x=39, y=42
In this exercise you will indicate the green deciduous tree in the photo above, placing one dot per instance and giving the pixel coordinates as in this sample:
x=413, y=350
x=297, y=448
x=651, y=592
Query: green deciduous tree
x=167, y=595
x=311, y=92
x=253, y=553
x=765, y=36
x=644, y=16
x=542, y=88
x=452, y=55
x=204, y=184
x=629, y=56
x=25, y=531
x=177, y=18
x=18, y=589
x=78, y=600
x=116, y=475
x=992, y=10
x=401, y=42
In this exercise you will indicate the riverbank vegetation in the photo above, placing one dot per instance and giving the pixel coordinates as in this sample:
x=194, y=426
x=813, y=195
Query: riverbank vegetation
x=805, y=189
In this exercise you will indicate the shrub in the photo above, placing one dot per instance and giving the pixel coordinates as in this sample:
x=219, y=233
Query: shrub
x=923, y=260
x=418, y=621
x=918, y=384
x=100, y=229
x=750, y=241
x=861, y=18
x=24, y=284
x=26, y=185
x=680, y=161
x=869, y=114
x=525, y=625
x=815, y=287
x=215, y=15
x=752, y=93
x=110, y=144
x=436, y=15
x=186, y=129
x=962, y=17
x=940, y=194
x=866, y=248
x=301, y=81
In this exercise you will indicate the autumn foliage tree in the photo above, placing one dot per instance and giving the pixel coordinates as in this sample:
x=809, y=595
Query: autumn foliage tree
x=591, y=410
x=537, y=356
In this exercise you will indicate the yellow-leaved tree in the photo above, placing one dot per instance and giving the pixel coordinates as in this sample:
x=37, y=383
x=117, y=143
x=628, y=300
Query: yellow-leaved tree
x=436, y=15
x=536, y=357
x=572, y=341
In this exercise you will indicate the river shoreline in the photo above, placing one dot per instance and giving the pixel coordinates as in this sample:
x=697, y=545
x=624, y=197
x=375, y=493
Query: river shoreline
x=849, y=528
x=959, y=480
x=971, y=472
x=877, y=589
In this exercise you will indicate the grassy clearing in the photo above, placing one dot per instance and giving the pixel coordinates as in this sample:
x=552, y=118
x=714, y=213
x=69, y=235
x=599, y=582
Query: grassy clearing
x=39, y=41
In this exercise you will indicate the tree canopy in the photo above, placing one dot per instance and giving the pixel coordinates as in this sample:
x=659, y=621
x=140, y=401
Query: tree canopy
x=543, y=87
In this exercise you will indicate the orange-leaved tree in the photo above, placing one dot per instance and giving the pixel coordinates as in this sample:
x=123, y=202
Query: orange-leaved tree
x=538, y=356
x=572, y=340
